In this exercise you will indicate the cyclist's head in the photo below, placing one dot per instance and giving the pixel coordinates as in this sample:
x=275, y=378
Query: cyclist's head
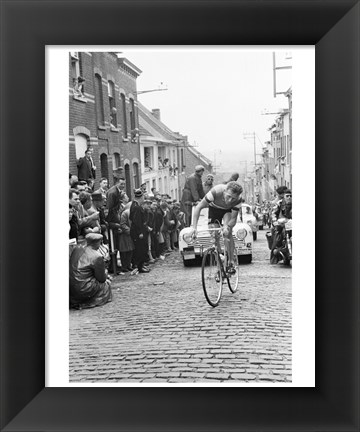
x=232, y=192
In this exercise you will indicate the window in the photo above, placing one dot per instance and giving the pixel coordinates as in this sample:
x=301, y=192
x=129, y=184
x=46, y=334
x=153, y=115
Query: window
x=112, y=104
x=104, y=165
x=75, y=65
x=149, y=158
x=76, y=73
x=136, y=174
x=132, y=115
x=123, y=108
x=81, y=144
x=116, y=161
x=99, y=100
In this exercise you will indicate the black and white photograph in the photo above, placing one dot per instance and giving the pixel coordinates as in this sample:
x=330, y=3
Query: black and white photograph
x=180, y=185
x=204, y=278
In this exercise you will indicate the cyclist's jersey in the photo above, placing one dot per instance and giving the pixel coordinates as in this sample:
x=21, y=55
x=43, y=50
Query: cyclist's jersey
x=215, y=198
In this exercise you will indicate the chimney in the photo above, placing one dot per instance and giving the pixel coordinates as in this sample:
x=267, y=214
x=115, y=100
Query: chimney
x=156, y=113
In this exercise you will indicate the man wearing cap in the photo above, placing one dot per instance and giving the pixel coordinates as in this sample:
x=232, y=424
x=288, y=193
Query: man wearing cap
x=282, y=209
x=139, y=231
x=90, y=284
x=193, y=192
x=208, y=183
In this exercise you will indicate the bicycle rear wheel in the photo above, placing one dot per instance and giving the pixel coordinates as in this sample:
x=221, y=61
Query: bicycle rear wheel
x=233, y=279
x=211, y=275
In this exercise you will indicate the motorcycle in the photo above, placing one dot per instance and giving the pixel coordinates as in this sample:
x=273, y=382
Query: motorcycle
x=285, y=250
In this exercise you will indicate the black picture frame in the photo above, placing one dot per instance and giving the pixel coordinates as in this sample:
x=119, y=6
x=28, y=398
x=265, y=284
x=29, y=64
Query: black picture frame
x=26, y=28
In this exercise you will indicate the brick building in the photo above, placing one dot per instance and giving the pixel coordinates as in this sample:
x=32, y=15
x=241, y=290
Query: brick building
x=103, y=115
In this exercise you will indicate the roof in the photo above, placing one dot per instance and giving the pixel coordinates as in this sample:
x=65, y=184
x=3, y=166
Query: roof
x=199, y=155
x=154, y=127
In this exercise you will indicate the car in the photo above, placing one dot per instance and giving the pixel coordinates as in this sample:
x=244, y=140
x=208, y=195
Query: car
x=247, y=216
x=192, y=250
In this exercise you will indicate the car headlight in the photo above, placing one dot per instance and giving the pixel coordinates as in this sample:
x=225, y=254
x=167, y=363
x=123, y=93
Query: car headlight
x=188, y=238
x=241, y=233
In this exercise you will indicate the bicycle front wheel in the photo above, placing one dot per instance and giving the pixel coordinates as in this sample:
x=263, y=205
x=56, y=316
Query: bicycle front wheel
x=212, y=276
x=233, y=278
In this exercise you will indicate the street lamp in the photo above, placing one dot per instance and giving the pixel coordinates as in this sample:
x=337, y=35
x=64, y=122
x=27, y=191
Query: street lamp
x=153, y=90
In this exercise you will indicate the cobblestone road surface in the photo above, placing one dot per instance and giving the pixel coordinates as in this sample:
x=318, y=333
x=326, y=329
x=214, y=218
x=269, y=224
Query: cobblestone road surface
x=168, y=333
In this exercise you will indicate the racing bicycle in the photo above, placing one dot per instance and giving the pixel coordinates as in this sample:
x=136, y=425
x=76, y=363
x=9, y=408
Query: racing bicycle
x=215, y=270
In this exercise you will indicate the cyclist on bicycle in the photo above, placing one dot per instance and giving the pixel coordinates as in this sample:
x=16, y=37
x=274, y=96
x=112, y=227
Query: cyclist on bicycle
x=224, y=202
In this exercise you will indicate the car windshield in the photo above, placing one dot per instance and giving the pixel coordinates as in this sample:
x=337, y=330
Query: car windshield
x=246, y=209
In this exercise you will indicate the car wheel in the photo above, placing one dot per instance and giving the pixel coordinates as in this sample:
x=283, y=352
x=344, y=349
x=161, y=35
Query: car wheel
x=254, y=235
x=245, y=259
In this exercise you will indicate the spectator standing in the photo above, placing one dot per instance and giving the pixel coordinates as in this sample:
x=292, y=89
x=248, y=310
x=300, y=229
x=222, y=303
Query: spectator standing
x=138, y=231
x=126, y=244
x=159, y=238
x=103, y=188
x=233, y=177
x=172, y=225
x=114, y=195
x=208, y=183
x=193, y=192
x=85, y=167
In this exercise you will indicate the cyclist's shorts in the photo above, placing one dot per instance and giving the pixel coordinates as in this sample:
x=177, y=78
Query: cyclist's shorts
x=216, y=214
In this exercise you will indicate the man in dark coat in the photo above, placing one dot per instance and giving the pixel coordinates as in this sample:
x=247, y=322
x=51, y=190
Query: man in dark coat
x=114, y=197
x=282, y=209
x=85, y=167
x=193, y=192
x=139, y=231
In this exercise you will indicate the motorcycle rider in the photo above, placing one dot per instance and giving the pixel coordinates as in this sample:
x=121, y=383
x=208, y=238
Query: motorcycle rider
x=282, y=209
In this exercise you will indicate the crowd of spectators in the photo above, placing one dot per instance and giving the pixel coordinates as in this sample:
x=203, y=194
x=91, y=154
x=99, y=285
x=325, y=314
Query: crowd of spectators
x=105, y=223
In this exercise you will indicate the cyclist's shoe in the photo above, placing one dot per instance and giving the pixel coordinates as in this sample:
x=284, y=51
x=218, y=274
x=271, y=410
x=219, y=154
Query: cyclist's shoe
x=231, y=269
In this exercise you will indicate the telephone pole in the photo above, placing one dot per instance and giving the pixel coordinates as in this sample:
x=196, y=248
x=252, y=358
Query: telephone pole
x=247, y=136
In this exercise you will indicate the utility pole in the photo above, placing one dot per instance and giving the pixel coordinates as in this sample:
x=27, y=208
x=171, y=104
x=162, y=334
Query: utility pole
x=252, y=135
x=276, y=68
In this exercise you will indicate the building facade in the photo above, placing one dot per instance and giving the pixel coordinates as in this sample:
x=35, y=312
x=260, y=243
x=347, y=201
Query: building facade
x=275, y=168
x=159, y=154
x=103, y=114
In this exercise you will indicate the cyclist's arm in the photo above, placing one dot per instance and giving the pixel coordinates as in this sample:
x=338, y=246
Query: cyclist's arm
x=202, y=204
x=234, y=214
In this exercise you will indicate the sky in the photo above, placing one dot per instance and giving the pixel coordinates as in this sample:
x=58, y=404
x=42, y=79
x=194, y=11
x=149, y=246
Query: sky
x=214, y=96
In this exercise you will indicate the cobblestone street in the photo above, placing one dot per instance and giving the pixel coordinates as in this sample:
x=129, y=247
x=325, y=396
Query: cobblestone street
x=159, y=328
